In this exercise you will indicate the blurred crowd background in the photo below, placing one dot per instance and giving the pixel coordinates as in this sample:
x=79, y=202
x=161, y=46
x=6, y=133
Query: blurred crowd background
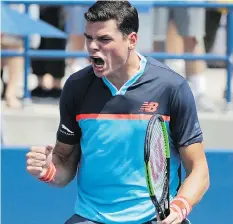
x=205, y=32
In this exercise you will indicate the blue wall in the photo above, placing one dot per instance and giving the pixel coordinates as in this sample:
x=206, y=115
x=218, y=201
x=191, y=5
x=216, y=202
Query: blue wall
x=28, y=201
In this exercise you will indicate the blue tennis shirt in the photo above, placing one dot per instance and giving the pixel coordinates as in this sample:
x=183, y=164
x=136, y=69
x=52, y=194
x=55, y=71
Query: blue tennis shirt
x=110, y=125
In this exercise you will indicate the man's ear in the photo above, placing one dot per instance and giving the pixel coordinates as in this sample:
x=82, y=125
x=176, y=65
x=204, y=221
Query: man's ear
x=133, y=37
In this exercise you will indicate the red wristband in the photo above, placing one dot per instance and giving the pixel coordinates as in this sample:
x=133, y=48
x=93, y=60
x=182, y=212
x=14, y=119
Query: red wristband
x=48, y=177
x=181, y=205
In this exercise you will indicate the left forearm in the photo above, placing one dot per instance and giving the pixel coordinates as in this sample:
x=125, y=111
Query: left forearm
x=190, y=193
x=195, y=184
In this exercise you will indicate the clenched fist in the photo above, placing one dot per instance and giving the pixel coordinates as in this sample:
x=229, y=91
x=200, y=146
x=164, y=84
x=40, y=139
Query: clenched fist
x=38, y=160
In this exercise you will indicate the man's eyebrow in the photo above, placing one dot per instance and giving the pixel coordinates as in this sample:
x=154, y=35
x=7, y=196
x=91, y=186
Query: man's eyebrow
x=98, y=37
x=88, y=36
x=104, y=36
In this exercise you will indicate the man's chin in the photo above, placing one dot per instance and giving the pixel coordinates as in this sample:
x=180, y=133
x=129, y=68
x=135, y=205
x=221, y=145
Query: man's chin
x=101, y=74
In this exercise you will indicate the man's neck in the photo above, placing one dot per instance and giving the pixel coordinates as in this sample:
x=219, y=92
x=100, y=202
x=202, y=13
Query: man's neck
x=119, y=78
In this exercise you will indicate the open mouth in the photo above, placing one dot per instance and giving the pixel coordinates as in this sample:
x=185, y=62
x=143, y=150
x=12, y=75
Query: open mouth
x=97, y=61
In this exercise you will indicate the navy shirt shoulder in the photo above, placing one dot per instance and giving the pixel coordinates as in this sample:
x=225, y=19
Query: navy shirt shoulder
x=184, y=123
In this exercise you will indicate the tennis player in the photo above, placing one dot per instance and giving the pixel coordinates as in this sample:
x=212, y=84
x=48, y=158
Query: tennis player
x=104, y=112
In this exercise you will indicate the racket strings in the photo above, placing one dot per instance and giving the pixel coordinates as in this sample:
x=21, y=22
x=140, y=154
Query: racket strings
x=158, y=161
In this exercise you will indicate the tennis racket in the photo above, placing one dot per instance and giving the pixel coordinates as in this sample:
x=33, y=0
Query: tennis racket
x=157, y=165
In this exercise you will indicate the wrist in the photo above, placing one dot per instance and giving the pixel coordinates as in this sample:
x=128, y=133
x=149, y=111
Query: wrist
x=182, y=206
x=49, y=175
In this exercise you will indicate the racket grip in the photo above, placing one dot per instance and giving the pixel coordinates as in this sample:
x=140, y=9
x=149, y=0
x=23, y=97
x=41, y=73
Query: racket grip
x=167, y=212
x=164, y=214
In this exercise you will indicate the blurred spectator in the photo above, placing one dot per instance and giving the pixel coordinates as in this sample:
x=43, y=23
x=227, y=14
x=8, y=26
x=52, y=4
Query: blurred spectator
x=55, y=67
x=213, y=18
x=12, y=68
x=75, y=26
x=192, y=31
x=175, y=45
x=215, y=38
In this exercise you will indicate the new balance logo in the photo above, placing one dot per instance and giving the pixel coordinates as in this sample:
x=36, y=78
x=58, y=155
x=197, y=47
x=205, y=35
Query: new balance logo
x=149, y=107
x=67, y=129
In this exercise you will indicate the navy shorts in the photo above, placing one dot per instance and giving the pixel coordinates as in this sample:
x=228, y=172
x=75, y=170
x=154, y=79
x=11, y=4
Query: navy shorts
x=76, y=219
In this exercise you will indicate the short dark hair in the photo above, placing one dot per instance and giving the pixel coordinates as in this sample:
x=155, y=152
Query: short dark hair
x=123, y=12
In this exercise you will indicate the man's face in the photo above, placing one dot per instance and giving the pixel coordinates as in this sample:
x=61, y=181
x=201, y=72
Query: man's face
x=108, y=48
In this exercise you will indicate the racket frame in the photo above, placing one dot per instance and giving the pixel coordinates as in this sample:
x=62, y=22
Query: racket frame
x=159, y=211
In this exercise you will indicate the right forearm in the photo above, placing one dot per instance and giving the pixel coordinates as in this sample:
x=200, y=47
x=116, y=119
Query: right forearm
x=65, y=172
x=66, y=167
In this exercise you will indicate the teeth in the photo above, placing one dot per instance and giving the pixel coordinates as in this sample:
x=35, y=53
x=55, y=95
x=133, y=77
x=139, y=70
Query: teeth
x=99, y=66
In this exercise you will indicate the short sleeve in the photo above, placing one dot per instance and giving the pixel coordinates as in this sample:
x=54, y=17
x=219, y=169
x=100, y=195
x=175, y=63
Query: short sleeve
x=68, y=130
x=184, y=124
